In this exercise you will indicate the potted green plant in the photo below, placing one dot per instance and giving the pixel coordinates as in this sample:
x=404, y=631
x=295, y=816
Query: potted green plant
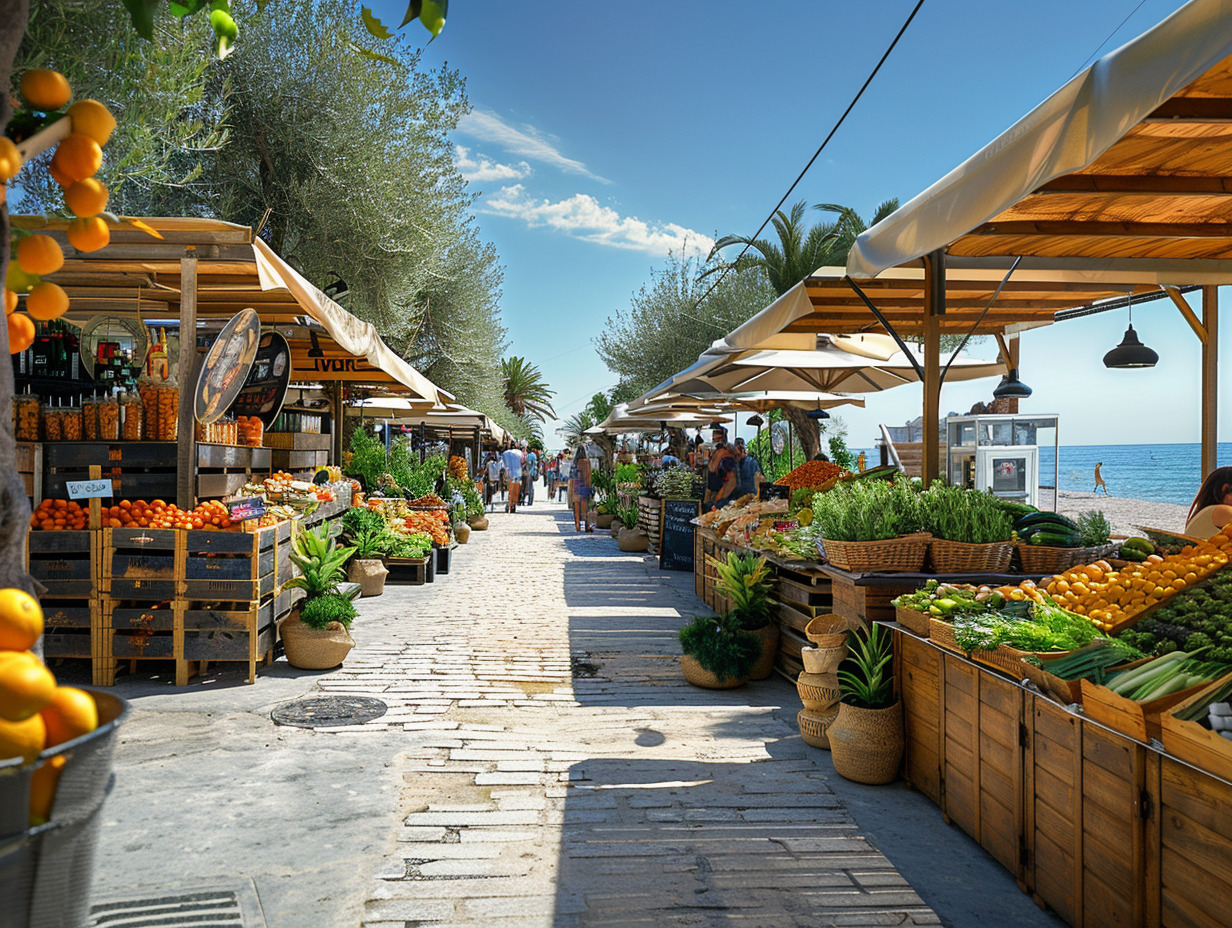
x=630, y=537
x=606, y=510
x=366, y=567
x=746, y=583
x=324, y=636
x=718, y=653
x=866, y=739
x=320, y=562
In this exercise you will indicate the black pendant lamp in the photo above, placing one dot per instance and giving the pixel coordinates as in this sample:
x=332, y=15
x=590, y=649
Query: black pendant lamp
x=818, y=413
x=1131, y=352
x=1011, y=387
x=756, y=421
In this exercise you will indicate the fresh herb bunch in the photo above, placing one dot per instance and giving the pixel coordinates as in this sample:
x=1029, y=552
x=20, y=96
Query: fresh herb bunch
x=1094, y=529
x=628, y=473
x=867, y=510
x=370, y=543
x=676, y=483
x=955, y=514
x=627, y=515
x=720, y=646
x=803, y=497
x=865, y=677
x=746, y=583
x=367, y=459
x=359, y=519
x=840, y=454
x=332, y=607
x=1046, y=628
x=412, y=546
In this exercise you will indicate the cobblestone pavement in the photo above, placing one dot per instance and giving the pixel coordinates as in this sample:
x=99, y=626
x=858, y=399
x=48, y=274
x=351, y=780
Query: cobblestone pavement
x=563, y=773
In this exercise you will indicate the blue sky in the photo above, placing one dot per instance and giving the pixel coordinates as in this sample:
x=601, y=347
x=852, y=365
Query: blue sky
x=606, y=134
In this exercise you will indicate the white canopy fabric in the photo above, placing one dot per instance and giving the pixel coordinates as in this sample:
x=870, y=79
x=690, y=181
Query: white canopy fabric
x=621, y=419
x=765, y=400
x=1065, y=133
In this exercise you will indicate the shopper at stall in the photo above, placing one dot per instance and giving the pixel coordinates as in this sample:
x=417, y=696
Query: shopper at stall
x=748, y=471
x=669, y=458
x=512, y=461
x=1212, y=507
x=579, y=490
x=721, y=475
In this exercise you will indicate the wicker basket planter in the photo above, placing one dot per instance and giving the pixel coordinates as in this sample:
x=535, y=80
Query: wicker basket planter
x=769, y=637
x=960, y=557
x=913, y=620
x=478, y=524
x=1042, y=559
x=823, y=660
x=814, y=725
x=867, y=744
x=311, y=648
x=698, y=675
x=633, y=540
x=829, y=630
x=818, y=691
x=615, y=528
x=369, y=573
x=604, y=520
x=889, y=555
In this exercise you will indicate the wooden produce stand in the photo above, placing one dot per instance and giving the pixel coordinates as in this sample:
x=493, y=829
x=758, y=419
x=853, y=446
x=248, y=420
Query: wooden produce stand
x=1103, y=829
x=650, y=520
x=802, y=592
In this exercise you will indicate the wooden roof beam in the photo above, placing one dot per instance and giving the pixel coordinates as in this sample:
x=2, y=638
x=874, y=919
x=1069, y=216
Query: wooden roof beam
x=1187, y=311
x=1138, y=184
x=1064, y=227
x=1193, y=109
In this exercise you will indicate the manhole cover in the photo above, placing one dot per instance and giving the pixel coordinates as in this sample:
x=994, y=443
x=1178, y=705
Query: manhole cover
x=219, y=908
x=328, y=711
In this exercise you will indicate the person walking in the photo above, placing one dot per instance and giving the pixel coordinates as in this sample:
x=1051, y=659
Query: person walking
x=579, y=490
x=512, y=461
x=529, y=475
x=1099, y=480
x=491, y=478
x=562, y=476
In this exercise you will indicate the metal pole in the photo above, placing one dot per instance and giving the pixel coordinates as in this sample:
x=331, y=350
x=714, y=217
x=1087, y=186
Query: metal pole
x=791, y=448
x=186, y=379
x=934, y=309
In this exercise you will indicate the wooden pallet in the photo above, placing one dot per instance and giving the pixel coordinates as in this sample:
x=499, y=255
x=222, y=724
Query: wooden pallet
x=140, y=563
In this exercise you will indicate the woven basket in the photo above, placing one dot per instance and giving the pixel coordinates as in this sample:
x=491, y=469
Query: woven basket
x=813, y=726
x=829, y=630
x=823, y=660
x=960, y=557
x=885, y=556
x=1041, y=559
x=698, y=675
x=818, y=691
x=314, y=649
x=769, y=637
x=1009, y=660
x=867, y=744
x=942, y=635
x=913, y=620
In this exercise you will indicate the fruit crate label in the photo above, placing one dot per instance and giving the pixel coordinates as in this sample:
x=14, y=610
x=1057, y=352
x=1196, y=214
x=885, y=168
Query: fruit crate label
x=88, y=489
x=250, y=507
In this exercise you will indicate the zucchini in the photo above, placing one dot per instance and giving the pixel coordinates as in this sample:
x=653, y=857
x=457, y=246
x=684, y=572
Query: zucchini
x=1017, y=510
x=1132, y=554
x=1032, y=518
x=1139, y=544
x=1057, y=540
x=1059, y=528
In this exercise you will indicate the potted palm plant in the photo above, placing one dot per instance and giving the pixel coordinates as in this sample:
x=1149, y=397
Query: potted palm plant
x=718, y=653
x=320, y=562
x=746, y=583
x=366, y=567
x=866, y=739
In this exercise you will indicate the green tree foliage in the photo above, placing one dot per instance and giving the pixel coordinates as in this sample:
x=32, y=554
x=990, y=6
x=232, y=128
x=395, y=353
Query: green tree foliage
x=664, y=329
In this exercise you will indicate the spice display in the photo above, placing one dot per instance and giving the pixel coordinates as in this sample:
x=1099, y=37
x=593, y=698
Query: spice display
x=108, y=419
x=70, y=419
x=133, y=417
x=26, y=417
x=89, y=419
x=167, y=400
x=811, y=474
x=53, y=424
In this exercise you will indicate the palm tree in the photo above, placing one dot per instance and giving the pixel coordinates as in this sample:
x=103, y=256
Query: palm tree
x=526, y=395
x=573, y=429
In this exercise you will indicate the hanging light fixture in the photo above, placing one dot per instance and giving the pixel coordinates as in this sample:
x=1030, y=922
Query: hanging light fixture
x=1011, y=387
x=1131, y=352
x=756, y=421
x=818, y=413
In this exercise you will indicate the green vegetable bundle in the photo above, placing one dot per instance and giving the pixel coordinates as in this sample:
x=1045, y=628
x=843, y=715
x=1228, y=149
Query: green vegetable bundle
x=868, y=511
x=676, y=483
x=955, y=514
x=1047, y=628
x=1165, y=675
x=1199, y=616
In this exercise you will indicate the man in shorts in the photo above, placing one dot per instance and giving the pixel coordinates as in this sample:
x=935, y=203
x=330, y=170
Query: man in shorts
x=512, y=461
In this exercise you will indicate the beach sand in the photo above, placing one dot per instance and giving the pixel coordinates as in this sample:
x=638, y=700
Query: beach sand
x=1123, y=513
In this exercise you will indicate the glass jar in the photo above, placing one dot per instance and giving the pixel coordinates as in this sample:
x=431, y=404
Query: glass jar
x=109, y=419
x=70, y=418
x=168, y=412
x=132, y=417
x=147, y=390
x=89, y=418
x=52, y=423
x=26, y=417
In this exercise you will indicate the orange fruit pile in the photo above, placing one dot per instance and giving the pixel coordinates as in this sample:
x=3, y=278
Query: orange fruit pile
x=58, y=515
x=159, y=514
x=35, y=713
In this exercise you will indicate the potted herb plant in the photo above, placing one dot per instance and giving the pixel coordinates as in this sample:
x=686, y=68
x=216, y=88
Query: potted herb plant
x=606, y=511
x=871, y=525
x=320, y=562
x=366, y=567
x=324, y=637
x=866, y=739
x=630, y=538
x=971, y=530
x=718, y=653
x=746, y=583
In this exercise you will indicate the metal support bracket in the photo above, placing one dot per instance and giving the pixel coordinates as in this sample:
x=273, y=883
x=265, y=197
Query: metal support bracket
x=919, y=370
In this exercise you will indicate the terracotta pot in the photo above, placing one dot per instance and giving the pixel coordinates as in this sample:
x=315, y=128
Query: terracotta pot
x=616, y=528
x=462, y=532
x=698, y=675
x=604, y=520
x=478, y=524
x=633, y=540
x=370, y=574
x=867, y=744
x=313, y=649
x=769, y=636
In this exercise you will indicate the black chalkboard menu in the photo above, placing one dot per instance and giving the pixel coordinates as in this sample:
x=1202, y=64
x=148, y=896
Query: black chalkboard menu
x=266, y=386
x=676, y=551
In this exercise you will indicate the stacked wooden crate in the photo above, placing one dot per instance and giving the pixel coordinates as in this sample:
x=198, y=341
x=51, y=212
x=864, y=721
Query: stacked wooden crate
x=650, y=520
x=801, y=595
x=66, y=564
x=137, y=469
x=297, y=452
x=223, y=469
x=138, y=571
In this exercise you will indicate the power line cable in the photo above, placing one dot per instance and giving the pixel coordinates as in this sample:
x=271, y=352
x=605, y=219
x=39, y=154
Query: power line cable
x=816, y=155
x=1105, y=42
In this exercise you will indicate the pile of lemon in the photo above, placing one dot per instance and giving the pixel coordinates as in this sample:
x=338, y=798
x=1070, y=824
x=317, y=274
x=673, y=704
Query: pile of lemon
x=77, y=159
x=35, y=713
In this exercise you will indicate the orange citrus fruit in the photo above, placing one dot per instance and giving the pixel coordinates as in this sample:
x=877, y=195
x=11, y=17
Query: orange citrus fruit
x=21, y=332
x=89, y=234
x=43, y=783
x=70, y=714
x=22, y=739
x=10, y=301
x=86, y=197
x=39, y=254
x=45, y=90
x=26, y=686
x=93, y=119
x=10, y=159
x=78, y=156
x=59, y=176
x=46, y=301
x=21, y=620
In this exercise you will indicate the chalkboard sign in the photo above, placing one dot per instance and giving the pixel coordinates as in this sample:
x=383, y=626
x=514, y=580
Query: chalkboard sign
x=676, y=551
x=266, y=386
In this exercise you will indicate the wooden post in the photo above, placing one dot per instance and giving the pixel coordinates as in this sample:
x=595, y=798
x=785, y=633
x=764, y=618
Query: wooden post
x=186, y=378
x=934, y=308
x=337, y=413
x=1210, y=379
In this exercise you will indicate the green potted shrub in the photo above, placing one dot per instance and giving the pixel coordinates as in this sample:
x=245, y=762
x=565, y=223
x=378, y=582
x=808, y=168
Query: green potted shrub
x=866, y=739
x=606, y=509
x=630, y=537
x=870, y=525
x=320, y=562
x=718, y=653
x=367, y=567
x=746, y=583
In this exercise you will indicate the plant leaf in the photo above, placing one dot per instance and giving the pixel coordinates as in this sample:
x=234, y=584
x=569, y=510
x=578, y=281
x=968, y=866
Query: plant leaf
x=374, y=25
x=370, y=54
x=413, y=9
x=433, y=16
x=182, y=8
x=142, y=14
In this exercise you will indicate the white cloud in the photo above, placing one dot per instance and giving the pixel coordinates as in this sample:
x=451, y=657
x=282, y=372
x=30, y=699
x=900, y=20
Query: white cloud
x=482, y=169
x=527, y=142
x=581, y=216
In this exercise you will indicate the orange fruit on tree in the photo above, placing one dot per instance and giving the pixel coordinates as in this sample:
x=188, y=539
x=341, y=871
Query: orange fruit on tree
x=93, y=119
x=43, y=784
x=26, y=686
x=86, y=197
x=45, y=90
x=70, y=714
x=88, y=234
x=21, y=332
x=10, y=301
x=21, y=620
x=10, y=159
x=59, y=176
x=23, y=739
x=47, y=301
x=78, y=156
x=39, y=254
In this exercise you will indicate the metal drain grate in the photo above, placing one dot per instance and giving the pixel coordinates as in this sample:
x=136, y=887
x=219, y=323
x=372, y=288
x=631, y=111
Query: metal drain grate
x=328, y=711
x=189, y=910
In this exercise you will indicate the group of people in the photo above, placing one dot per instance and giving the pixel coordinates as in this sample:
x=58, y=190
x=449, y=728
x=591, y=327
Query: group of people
x=731, y=472
x=514, y=473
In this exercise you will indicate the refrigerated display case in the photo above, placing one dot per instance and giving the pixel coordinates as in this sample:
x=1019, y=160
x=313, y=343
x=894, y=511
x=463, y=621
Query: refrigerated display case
x=1002, y=453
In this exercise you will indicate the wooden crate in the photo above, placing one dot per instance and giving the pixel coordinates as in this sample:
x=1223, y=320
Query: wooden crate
x=140, y=563
x=855, y=598
x=1195, y=848
x=444, y=557
x=919, y=672
x=650, y=520
x=788, y=661
x=1113, y=855
x=410, y=571
x=296, y=441
x=64, y=562
x=812, y=597
x=131, y=630
x=138, y=470
x=229, y=566
x=231, y=631
x=67, y=625
x=1053, y=799
x=297, y=461
x=1196, y=743
x=1139, y=720
x=30, y=466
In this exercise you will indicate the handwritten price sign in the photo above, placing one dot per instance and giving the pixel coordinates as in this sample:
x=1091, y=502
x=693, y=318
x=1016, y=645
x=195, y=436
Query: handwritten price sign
x=89, y=489
x=251, y=507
